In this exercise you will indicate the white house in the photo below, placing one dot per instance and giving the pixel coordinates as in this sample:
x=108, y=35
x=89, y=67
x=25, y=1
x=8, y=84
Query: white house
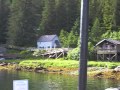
x=48, y=41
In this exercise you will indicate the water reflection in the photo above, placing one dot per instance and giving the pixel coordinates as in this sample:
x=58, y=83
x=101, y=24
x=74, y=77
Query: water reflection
x=101, y=84
x=41, y=81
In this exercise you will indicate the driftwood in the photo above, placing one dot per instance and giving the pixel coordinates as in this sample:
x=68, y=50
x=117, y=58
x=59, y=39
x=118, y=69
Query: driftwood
x=55, y=53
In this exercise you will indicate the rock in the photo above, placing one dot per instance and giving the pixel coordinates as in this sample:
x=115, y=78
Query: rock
x=117, y=69
x=99, y=74
x=112, y=88
x=18, y=68
x=40, y=68
x=3, y=64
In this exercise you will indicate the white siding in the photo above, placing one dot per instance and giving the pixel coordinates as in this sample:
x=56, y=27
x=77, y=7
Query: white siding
x=44, y=44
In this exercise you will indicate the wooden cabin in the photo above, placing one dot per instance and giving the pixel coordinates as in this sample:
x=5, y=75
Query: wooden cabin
x=108, y=49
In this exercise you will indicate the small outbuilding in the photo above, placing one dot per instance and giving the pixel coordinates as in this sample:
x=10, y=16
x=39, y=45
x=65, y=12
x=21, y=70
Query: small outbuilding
x=108, y=49
x=48, y=41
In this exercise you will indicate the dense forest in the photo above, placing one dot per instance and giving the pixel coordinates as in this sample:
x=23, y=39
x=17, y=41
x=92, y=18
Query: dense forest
x=23, y=21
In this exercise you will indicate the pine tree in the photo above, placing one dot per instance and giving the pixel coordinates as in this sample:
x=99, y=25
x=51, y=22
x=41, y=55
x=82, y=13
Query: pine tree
x=72, y=13
x=4, y=12
x=48, y=22
x=64, y=38
x=96, y=32
x=72, y=39
x=117, y=16
x=108, y=14
x=61, y=15
x=74, y=35
x=22, y=23
x=95, y=12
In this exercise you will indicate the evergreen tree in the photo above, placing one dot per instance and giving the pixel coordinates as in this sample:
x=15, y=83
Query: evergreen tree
x=96, y=32
x=48, y=22
x=72, y=39
x=95, y=12
x=72, y=12
x=4, y=12
x=64, y=38
x=108, y=14
x=117, y=15
x=61, y=15
x=22, y=23
x=74, y=35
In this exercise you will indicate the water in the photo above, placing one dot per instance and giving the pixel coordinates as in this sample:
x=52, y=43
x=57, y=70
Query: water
x=41, y=81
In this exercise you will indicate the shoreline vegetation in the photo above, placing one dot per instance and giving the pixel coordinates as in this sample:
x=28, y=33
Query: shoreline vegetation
x=96, y=69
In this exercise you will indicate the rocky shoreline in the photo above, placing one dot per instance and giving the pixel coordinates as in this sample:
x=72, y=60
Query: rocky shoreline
x=95, y=72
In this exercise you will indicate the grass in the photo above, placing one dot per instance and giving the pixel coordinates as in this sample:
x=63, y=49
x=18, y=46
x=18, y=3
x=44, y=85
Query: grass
x=67, y=63
x=57, y=63
x=50, y=63
x=11, y=61
x=110, y=65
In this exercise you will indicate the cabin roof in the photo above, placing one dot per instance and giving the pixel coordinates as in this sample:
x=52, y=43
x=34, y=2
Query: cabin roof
x=116, y=42
x=46, y=38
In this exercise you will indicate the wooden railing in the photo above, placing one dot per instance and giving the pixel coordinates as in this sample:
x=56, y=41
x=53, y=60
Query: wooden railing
x=106, y=51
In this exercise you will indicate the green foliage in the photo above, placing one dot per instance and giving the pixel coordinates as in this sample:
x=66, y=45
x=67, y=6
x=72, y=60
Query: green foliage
x=26, y=54
x=91, y=53
x=113, y=35
x=11, y=61
x=22, y=23
x=73, y=35
x=64, y=38
x=38, y=52
x=72, y=39
x=96, y=32
x=49, y=63
x=110, y=65
x=48, y=22
x=4, y=13
x=108, y=10
x=12, y=51
x=74, y=54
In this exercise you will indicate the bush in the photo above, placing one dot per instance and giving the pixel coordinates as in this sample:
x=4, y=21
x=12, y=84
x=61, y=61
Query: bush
x=38, y=52
x=74, y=54
x=112, y=66
x=26, y=54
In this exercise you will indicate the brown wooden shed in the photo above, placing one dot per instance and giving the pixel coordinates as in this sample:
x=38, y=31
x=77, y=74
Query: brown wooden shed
x=108, y=49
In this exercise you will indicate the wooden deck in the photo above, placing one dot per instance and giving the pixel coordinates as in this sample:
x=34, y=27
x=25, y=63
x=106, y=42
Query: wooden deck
x=106, y=51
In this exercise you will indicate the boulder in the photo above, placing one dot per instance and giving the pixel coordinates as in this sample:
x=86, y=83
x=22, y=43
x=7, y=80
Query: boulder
x=117, y=69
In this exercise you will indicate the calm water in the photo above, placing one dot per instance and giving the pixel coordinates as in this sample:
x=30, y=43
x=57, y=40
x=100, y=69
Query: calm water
x=38, y=81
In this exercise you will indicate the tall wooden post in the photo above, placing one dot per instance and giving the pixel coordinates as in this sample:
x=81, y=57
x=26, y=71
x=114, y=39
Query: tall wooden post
x=84, y=44
x=97, y=57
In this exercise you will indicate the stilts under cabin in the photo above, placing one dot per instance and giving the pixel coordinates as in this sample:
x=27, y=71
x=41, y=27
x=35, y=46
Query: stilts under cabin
x=108, y=49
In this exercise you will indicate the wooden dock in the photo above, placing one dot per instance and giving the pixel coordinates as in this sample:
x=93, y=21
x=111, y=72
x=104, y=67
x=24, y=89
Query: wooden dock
x=55, y=53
